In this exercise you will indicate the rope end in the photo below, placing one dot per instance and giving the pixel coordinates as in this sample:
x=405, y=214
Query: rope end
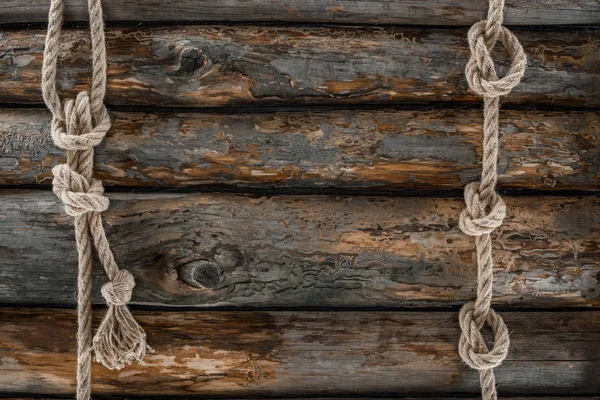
x=119, y=340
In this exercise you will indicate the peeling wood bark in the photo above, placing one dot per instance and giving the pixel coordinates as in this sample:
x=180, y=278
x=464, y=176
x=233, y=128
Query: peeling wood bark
x=304, y=354
x=366, y=150
x=305, y=251
x=414, y=12
x=220, y=65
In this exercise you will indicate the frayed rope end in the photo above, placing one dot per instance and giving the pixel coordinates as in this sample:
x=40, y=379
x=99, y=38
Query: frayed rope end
x=119, y=340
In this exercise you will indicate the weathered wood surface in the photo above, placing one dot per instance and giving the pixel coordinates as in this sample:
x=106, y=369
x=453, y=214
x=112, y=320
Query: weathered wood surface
x=412, y=12
x=303, y=354
x=367, y=150
x=305, y=251
x=237, y=65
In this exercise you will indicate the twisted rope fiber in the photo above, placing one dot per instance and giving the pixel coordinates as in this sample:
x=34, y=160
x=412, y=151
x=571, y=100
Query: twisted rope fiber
x=485, y=210
x=77, y=126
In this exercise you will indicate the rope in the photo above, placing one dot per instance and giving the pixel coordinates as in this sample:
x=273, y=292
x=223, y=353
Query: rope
x=77, y=126
x=80, y=124
x=485, y=210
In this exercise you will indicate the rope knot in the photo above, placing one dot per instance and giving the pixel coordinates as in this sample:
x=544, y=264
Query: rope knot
x=79, y=195
x=118, y=291
x=72, y=126
x=472, y=348
x=480, y=70
x=475, y=220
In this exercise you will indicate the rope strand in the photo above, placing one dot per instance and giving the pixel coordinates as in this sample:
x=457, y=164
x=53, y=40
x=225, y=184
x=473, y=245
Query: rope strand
x=77, y=126
x=485, y=210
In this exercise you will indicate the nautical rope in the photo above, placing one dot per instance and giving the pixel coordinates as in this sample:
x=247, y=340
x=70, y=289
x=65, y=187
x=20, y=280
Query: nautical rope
x=485, y=209
x=77, y=126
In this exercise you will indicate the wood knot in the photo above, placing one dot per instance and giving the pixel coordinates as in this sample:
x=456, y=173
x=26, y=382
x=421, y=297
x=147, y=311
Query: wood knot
x=192, y=60
x=201, y=273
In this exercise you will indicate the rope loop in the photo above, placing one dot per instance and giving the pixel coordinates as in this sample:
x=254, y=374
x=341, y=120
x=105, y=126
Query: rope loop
x=480, y=71
x=476, y=220
x=472, y=347
x=79, y=195
x=118, y=291
x=72, y=126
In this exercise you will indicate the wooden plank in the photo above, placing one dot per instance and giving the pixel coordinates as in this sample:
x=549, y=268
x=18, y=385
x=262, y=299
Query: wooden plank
x=412, y=12
x=250, y=65
x=305, y=251
x=279, y=353
x=359, y=150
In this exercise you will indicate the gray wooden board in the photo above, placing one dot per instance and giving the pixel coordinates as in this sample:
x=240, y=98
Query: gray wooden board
x=305, y=251
x=381, y=150
x=210, y=66
x=411, y=12
x=299, y=353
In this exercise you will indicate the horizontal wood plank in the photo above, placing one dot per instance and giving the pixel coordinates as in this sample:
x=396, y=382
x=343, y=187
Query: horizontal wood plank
x=358, y=150
x=412, y=12
x=302, y=354
x=248, y=65
x=305, y=251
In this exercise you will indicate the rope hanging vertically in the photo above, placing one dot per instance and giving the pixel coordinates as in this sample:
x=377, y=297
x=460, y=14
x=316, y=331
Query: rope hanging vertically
x=77, y=126
x=485, y=209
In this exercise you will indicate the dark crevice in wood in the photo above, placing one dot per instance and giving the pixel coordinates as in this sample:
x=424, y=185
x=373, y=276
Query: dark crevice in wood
x=276, y=24
x=423, y=396
x=250, y=309
x=331, y=191
x=320, y=108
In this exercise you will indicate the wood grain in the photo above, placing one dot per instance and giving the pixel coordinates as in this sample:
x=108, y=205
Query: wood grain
x=412, y=12
x=305, y=354
x=212, y=66
x=359, y=150
x=305, y=251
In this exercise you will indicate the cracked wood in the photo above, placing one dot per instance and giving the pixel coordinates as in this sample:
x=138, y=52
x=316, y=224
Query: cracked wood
x=412, y=12
x=305, y=251
x=263, y=353
x=359, y=150
x=208, y=66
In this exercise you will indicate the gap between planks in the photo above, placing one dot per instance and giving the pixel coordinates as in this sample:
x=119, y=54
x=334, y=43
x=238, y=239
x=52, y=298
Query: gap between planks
x=438, y=396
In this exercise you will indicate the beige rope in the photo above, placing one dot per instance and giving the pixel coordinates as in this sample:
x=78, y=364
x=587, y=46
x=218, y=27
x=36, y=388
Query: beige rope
x=485, y=209
x=77, y=126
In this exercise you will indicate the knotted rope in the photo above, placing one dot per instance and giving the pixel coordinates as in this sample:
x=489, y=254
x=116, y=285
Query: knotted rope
x=485, y=209
x=77, y=126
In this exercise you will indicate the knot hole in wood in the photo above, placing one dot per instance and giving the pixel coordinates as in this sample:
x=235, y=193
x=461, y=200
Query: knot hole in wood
x=201, y=273
x=192, y=60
